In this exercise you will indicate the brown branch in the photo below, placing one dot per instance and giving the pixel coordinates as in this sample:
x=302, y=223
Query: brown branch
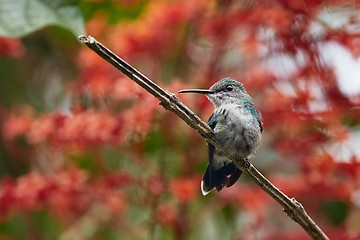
x=170, y=102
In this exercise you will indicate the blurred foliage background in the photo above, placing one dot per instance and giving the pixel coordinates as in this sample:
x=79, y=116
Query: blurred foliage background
x=87, y=154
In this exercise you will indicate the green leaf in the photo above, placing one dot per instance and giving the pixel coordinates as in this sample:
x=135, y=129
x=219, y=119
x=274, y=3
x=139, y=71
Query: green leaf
x=21, y=17
x=13, y=228
x=336, y=211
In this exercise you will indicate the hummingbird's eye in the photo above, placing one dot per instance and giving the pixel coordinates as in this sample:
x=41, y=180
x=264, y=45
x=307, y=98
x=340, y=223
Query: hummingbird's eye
x=229, y=88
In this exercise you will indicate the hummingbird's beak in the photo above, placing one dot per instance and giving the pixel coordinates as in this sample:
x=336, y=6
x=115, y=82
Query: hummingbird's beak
x=202, y=91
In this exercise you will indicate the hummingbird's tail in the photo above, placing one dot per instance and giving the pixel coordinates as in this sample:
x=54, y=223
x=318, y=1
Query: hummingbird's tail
x=225, y=176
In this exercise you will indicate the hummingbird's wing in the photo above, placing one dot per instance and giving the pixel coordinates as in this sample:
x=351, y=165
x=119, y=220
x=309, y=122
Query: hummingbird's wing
x=256, y=113
x=211, y=149
x=249, y=104
x=221, y=171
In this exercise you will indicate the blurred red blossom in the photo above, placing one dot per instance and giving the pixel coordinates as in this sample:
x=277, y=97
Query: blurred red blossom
x=64, y=193
x=156, y=185
x=278, y=18
x=34, y=190
x=87, y=128
x=248, y=198
x=351, y=169
x=168, y=19
x=167, y=215
x=11, y=47
x=17, y=123
x=185, y=189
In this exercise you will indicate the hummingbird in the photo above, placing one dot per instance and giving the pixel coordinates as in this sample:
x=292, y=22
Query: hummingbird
x=237, y=125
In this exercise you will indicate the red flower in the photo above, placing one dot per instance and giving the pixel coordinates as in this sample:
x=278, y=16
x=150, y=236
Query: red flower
x=17, y=124
x=185, y=189
x=11, y=47
x=166, y=214
x=155, y=185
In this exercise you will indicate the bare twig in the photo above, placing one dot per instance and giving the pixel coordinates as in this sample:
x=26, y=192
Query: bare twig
x=170, y=102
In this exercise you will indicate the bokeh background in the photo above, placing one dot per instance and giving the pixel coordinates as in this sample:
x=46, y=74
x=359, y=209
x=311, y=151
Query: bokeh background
x=85, y=153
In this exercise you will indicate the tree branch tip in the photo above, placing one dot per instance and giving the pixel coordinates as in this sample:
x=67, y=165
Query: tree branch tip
x=86, y=39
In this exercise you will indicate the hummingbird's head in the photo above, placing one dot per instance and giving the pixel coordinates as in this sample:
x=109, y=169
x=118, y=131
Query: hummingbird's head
x=226, y=90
